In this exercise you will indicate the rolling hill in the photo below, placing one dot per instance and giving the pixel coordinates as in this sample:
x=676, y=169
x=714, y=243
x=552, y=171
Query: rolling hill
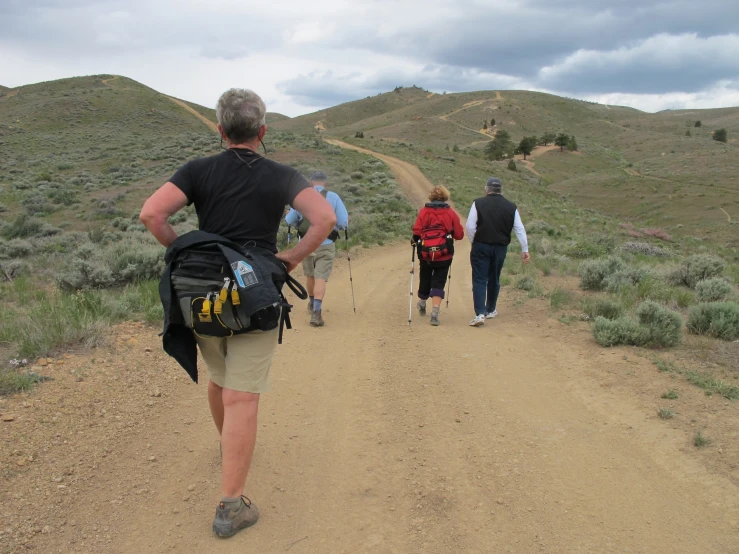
x=639, y=167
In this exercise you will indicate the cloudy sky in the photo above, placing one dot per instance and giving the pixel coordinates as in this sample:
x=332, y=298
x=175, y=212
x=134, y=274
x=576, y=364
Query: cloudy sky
x=305, y=55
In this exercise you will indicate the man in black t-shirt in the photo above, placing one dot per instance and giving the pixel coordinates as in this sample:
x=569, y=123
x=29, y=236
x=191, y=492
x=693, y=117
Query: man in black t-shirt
x=241, y=196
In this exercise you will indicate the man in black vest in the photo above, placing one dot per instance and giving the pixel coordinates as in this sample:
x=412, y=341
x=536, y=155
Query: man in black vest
x=489, y=226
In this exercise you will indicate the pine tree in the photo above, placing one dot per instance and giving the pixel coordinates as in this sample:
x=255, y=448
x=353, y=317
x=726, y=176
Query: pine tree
x=687, y=133
x=527, y=145
x=562, y=140
x=546, y=138
x=698, y=123
x=512, y=165
x=500, y=147
x=720, y=135
x=492, y=122
x=572, y=144
x=485, y=125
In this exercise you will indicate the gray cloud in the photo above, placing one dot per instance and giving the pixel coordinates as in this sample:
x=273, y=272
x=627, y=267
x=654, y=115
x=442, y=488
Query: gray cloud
x=337, y=50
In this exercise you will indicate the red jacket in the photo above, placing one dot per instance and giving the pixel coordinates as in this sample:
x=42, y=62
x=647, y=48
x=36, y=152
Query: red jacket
x=438, y=213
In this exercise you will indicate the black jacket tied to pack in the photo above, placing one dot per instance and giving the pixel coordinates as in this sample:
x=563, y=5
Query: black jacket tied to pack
x=214, y=287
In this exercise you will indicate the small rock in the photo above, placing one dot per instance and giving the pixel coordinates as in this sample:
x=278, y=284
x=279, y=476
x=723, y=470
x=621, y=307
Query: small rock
x=20, y=463
x=152, y=458
x=8, y=417
x=157, y=393
x=186, y=498
x=499, y=501
x=191, y=488
x=42, y=362
x=46, y=530
x=458, y=420
x=61, y=487
x=147, y=349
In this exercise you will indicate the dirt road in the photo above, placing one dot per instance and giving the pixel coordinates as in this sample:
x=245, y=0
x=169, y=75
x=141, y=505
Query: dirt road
x=377, y=437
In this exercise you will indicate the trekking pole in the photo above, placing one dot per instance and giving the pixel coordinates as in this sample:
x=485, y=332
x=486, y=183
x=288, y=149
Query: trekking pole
x=349, y=259
x=449, y=287
x=413, y=269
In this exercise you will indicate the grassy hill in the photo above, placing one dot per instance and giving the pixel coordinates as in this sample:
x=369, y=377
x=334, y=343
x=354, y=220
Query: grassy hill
x=639, y=167
x=79, y=156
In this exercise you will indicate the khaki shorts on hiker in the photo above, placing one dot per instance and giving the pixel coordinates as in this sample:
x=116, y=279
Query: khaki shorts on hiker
x=241, y=362
x=321, y=262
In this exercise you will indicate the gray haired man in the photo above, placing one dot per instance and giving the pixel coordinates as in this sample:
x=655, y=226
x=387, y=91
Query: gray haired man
x=491, y=220
x=239, y=195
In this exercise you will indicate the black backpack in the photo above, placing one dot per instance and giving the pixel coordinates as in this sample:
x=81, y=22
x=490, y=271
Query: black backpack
x=304, y=224
x=223, y=289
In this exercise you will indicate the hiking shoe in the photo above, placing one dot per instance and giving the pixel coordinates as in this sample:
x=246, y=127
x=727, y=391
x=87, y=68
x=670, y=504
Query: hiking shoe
x=421, y=308
x=229, y=521
x=310, y=307
x=435, y=320
x=479, y=321
x=316, y=319
x=492, y=314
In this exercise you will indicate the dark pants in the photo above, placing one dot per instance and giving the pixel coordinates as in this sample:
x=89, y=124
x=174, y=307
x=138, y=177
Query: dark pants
x=487, y=263
x=433, y=279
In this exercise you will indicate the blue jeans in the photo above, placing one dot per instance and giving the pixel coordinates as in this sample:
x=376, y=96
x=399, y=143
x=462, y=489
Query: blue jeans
x=487, y=263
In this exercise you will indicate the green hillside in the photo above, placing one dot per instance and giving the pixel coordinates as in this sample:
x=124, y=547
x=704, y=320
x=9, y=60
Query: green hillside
x=637, y=166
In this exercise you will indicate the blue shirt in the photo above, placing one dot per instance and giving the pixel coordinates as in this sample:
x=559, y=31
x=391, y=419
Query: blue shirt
x=293, y=217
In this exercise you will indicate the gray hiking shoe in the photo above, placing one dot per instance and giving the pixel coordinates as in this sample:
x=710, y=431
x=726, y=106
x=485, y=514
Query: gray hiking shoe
x=229, y=521
x=316, y=319
x=421, y=308
x=434, y=319
x=310, y=307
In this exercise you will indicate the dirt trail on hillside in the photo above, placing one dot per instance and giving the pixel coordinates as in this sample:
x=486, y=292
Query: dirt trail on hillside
x=467, y=106
x=194, y=112
x=538, y=151
x=377, y=437
x=414, y=183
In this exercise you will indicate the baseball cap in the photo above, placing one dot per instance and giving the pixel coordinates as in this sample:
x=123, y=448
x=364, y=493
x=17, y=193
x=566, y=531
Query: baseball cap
x=494, y=182
x=318, y=176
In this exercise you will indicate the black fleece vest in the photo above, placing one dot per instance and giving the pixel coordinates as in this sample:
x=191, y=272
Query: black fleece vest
x=495, y=216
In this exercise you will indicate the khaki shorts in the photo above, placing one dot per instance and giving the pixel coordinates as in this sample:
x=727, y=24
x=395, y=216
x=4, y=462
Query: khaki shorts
x=321, y=262
x=240, y=362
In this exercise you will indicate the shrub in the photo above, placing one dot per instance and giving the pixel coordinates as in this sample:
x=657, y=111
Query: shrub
x=657, y=233
x=526, y=283
x=591, y=247
x=713, y=290
x=559, y=297
x=15, y=248
x=716, y=319
x=664, y=326
x=697, y=268
x=627, y=277
x=624, y=330
x=595, y=307
x=22, y=227
x=512, y=165
x=643, y=248
x=594, y=272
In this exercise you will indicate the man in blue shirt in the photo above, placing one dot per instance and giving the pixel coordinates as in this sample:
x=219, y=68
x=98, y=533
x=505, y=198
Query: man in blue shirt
x=317, y=267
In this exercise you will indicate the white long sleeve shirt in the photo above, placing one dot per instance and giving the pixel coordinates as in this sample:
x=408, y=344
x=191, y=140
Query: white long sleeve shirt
x=518, y=228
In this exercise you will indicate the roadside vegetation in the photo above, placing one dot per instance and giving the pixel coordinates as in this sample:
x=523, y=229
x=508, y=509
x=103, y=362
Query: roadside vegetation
x=72, y=249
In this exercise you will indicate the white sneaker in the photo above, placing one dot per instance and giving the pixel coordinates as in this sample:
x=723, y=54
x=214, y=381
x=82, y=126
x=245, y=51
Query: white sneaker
x=479, y=321
x=491, y=315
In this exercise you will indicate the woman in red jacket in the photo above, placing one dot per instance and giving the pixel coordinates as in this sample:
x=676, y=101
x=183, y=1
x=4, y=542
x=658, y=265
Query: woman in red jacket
x=434, y=233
